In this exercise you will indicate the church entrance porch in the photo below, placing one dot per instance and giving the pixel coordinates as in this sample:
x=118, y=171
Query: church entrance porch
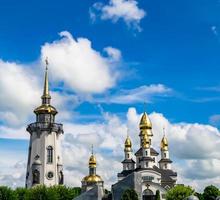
x=148, y=195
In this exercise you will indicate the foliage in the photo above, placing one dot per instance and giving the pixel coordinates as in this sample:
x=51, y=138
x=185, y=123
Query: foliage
x=21, y=192
x=179, y=192
x=211, y=192
x=66, y=193
x=157, y=195
x=41, y=193
x=199, y=195
x=7, y=193
x=129, y=194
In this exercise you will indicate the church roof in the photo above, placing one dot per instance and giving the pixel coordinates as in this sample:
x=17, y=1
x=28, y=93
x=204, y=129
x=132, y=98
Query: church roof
x=166, y=174
x=147, y=158
x=165, y=160
x=153, y=152
x=128, y=161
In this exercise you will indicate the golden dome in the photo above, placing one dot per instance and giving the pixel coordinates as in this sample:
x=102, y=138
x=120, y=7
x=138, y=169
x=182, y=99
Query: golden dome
x=128, y=143
x=147, y=132
x=145, y=122
x=45, y=108
x=92, y=161
x=92, y=179
x=146, y=142
x=164, y=144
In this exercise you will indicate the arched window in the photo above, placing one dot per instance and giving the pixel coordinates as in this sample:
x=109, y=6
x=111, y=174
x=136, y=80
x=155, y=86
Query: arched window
x=49, y=154
x=36, y=177
x=61, y=178
x=165, y=155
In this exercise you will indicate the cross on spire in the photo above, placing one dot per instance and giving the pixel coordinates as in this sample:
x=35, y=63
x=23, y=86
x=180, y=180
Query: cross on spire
x=47, y=63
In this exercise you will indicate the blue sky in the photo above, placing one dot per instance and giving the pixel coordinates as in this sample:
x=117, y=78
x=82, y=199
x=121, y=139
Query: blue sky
x=176, y=46
x=167, y=57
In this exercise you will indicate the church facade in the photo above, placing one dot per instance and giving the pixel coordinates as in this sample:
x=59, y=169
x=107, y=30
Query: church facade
x=145, y=174
x=44, y=155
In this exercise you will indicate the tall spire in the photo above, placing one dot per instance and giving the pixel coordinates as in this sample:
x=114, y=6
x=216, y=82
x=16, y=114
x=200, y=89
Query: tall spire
x=46, y=94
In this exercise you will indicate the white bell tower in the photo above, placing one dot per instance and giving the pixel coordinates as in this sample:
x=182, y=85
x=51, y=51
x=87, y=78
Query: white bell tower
x=44, y=155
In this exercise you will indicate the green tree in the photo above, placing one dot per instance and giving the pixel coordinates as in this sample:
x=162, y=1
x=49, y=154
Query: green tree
x=21, y=192
x=179, y=192
x=157, y=195
x=41, y=193
x=66, y=193
x=129, y=194
x=210, y=192
x=199, y=195
x=7, y=193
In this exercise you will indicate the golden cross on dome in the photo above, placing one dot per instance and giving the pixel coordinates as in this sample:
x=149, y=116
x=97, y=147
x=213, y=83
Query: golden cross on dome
x=47, y=63
x=92, y=149
x=145, y=106
x=164, y=132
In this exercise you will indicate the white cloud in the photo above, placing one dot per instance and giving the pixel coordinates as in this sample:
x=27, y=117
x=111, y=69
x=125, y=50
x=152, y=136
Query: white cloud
x=78, y=65
x=127, y=10
x=113, y=53
x=145, y=93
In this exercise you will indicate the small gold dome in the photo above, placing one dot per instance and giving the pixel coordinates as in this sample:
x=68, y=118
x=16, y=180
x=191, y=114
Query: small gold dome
x=146, y=142
x=45, y=108
x=128, y=143
x=145, y=122
x=92, y=161
x=92, y=179
x=164, y=144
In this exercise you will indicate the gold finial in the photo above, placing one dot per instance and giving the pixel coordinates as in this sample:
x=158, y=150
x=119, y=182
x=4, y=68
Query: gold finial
x=92, y=149
x=46, y=94
x=92, y=160
x=128, y=143
x=164, y=141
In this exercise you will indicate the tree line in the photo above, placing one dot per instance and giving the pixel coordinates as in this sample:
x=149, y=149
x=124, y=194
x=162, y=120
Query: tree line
x=39, y=193
x=179, y=192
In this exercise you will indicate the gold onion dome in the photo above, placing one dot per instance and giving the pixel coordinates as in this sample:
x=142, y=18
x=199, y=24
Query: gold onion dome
x=164, y=144
x=92, y=179
x=146, y=142
x=128, y=143
x=92, y=161
x=145, y=122
x=45, y=108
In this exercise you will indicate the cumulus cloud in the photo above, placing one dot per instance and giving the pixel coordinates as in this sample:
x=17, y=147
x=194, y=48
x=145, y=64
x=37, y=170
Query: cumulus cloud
x=126, y=10
x=19, y=92
x=114, y=54
x=80, y=67
x=137, y=95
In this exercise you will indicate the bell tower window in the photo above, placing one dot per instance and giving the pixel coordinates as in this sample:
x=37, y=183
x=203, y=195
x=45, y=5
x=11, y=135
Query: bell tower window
x=49, y=154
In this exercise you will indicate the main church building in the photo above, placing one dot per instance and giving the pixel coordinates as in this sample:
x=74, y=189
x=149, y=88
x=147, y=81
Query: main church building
x=146, y=172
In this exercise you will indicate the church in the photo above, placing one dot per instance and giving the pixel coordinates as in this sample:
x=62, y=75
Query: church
x=146, y=175
x=144, y=171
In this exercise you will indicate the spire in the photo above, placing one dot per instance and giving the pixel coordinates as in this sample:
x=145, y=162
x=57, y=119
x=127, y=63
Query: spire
x=46, y=94
x=92, y=160
x=46, y=107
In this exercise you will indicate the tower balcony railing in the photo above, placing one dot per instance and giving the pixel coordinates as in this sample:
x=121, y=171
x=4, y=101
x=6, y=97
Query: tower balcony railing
x=45, y=126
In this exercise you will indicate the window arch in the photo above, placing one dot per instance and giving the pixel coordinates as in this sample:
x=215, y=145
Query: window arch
x=49, y=154
x=36, y=177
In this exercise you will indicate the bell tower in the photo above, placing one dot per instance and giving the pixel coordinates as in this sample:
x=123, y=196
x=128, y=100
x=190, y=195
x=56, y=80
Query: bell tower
x=44, y=155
